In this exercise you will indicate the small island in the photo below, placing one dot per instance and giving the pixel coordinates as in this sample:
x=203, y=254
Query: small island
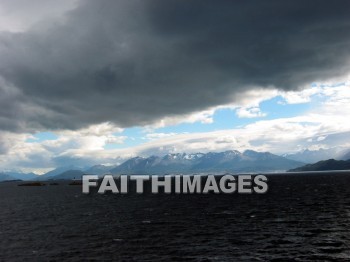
x=32, y=184
x=75, y=183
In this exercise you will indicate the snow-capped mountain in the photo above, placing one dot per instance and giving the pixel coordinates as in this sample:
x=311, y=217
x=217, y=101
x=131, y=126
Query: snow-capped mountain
x=232, y=160
x=155, y=164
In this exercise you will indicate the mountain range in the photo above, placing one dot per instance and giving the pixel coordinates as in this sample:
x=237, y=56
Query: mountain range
x=228, y=161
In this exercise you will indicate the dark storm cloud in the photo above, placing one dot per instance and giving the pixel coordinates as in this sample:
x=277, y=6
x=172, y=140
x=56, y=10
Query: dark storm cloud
x=133, y=62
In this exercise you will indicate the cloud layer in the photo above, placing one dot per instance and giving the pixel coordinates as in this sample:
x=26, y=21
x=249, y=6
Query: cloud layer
x=136, y=62
x=324, y=126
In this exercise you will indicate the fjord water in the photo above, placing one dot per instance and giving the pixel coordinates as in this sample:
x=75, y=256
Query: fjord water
x=302, y=217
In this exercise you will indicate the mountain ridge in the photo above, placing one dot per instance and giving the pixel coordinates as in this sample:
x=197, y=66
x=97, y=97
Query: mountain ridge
x=324, y=165
x=230, y=160
x=312, y=156
x=226, y=161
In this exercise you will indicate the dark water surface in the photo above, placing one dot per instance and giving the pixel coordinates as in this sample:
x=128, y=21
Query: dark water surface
x=301, y=218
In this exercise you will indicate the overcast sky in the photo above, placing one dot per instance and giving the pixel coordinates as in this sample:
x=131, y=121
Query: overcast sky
x=85, y=82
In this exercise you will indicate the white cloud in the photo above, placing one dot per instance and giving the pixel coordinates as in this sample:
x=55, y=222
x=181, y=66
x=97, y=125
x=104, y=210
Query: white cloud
x=332, y=91
x=85, y=143
x=300, y=97
x=250, y=112
x=320, y=138
x=154, y=136
x=204, y=117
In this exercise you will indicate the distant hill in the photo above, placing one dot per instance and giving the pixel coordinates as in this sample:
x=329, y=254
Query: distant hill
x=6, y=177
x=22, y=176
x=69, y=175
x=325, y=165
x=58, y=171
x=11, y=175
x=99, y=170
x=313, y=156
x=232, y=160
